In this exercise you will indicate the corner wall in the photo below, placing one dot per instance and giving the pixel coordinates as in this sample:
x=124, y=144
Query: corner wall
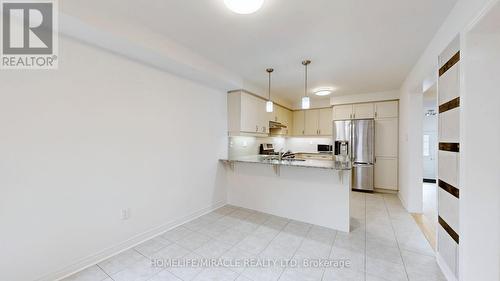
x=101, y=134
x=410, y=105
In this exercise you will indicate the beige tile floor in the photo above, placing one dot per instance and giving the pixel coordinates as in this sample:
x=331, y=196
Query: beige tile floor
x=385, y=244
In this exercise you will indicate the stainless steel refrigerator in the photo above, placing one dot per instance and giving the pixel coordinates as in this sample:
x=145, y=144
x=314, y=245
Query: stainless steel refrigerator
x=354, y=140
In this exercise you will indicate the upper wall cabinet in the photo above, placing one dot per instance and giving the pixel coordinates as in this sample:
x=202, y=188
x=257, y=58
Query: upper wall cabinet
x=387, y=109
x=298, y=123
x=342, y=112
x=325, y=122
x=313, y=122
x=363, y=111
x=247, y=114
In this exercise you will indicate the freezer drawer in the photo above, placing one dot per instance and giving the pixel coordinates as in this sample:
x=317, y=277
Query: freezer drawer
x=362, y=177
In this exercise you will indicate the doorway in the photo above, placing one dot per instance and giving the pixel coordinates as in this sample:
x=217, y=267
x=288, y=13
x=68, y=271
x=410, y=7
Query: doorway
x=429, y=217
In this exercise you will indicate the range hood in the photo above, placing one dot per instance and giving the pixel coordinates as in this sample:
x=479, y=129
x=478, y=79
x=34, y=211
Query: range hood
x=277, y=129
x=276, y=125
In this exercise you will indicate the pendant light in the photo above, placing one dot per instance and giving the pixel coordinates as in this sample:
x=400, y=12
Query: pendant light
x=306, y=102
x=269, y=103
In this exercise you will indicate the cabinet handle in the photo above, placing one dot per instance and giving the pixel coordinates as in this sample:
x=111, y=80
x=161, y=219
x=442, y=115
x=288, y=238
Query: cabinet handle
x=319, y=132
x=302, y=131
x=354, y=115
x=375, y=114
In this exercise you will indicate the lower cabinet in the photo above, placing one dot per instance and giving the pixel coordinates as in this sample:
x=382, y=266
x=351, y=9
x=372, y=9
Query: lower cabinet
x=386, y=173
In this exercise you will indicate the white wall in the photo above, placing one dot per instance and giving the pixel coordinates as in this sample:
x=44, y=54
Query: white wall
x=410, y=166
x=480, y=136
x=100, y=134
x=308, y=145
x=366, y=97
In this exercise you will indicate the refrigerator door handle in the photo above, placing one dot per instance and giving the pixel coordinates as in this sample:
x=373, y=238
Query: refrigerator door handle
x=353, y=152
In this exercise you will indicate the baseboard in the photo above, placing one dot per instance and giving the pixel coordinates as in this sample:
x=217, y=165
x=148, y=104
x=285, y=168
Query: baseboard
x=386, y=191
x=448, y=274
x=126, y=245
x=403, y=202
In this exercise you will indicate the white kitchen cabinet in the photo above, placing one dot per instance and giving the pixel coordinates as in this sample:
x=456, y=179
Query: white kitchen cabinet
x=298, y=123
x=342, y=112
x=283, y=116
x=250, y=120
x=386, y=137
x=386, y=173
x=387, y=109
x=325, y=122
x=311, y=122
x=363, y=111
x=288, y=121
x=247, y=114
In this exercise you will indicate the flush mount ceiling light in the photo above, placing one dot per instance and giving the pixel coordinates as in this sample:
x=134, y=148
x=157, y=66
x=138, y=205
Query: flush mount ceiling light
x=306, y=102
x=323, y=92
x=244, y=7
x=269, y=103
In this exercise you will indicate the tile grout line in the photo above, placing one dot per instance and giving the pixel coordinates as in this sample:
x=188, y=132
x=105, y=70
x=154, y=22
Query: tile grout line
x=213, y=238
x=330, y=253
x=104, y=271
x=295, y=252
x=365, y=239
x=395, y=236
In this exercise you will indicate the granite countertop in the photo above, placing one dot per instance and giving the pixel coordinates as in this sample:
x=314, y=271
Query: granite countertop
x=308, y=163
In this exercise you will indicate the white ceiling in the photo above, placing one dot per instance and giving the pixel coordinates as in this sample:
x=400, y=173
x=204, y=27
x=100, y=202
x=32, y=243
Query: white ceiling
x=357, y=46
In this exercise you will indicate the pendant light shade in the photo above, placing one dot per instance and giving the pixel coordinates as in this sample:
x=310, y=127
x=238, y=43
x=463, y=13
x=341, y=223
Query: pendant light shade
x=269, y=103
x=306, y=102
x=269, y=106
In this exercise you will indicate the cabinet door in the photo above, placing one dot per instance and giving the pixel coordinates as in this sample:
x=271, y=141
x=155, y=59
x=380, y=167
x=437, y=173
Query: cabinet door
x=312, y=122
x=279, y=114
x=342, y=112
x=298, y=123
x=325, y=122
x=363, y=111
x=263, y=116
x=288, y=121
x=386, y=173
x=386, y=137
x=249, y=113
x=387, y=109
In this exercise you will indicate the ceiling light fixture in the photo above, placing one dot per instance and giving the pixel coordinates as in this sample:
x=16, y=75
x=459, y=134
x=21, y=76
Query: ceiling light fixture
x=323, y=92
x=244, y=7
x=306, y=102
x=269, y=103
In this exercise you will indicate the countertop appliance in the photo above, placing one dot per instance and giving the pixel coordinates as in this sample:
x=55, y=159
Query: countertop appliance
x=354, y=140
x=324, y=148
x=267, y=149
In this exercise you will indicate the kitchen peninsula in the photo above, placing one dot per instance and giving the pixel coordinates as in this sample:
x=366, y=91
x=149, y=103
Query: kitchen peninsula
x=312, y=191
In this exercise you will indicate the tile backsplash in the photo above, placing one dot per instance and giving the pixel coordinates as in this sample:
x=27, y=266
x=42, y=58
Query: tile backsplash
x=245, y=146
x=306, y=144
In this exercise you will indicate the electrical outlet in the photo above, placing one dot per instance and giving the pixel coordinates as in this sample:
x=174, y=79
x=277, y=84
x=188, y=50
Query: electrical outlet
x=125, y=214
